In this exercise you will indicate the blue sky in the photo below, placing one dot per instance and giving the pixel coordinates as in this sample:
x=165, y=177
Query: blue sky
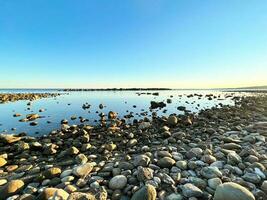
x=133, y=43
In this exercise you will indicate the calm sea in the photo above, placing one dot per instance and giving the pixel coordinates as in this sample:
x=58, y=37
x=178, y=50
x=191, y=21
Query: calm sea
x=123, y=102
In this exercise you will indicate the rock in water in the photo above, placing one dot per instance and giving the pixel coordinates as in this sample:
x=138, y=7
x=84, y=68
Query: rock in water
x=232, y=191
x=118, y=182
x=11, y=188
x=147, y=192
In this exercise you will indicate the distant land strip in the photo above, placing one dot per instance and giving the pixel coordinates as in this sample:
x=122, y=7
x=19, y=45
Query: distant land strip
x=113, y=89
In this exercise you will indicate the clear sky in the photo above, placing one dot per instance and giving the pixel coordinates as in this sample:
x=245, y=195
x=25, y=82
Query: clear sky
x=133, y=43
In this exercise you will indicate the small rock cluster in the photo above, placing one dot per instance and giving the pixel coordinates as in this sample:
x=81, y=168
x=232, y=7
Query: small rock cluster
x=11, y=97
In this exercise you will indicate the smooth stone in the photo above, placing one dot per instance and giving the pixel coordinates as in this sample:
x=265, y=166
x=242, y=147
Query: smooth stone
x=182, y=164
x=83, y=170
x=232, y=191
x=65, y=173
x=118, y=182
x=166, y=162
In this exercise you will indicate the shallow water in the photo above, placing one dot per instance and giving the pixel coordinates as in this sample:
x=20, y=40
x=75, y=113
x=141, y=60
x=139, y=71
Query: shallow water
x=57, y=108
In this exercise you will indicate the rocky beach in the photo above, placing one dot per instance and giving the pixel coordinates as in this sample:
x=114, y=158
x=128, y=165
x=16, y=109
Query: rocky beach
x=219, y=153
x=12, y=97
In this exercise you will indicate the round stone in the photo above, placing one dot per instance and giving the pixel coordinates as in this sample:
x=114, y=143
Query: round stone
x=118, y=182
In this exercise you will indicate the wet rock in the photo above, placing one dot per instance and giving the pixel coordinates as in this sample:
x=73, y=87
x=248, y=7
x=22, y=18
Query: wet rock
x=112, y=115
x=154, y=105
x=32, y=117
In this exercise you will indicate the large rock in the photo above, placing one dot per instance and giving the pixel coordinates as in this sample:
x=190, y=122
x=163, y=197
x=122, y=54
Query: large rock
x=147, y=192
x=83, y=170
x=232, y=191
x=118, y=182
x=11, y=188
